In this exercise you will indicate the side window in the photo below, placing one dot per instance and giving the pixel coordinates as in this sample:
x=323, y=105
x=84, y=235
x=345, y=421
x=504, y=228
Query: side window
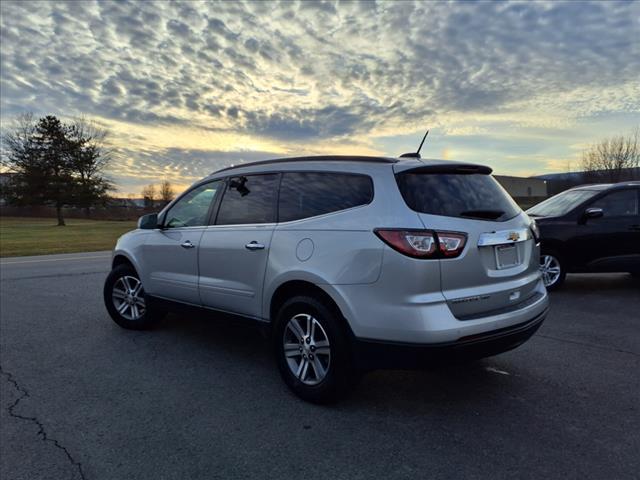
x=249, y=199
x=193, y=208
x=307, y=194
x=623, y=203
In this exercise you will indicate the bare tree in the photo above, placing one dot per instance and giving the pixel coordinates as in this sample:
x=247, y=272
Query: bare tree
x=149, y=195
x=90, y=159
x=610, y=159
x=166, y=192
x=17, y=140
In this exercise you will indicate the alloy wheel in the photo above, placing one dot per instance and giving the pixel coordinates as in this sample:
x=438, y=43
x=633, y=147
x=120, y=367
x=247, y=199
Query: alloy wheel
x=550, y=268
x=306, y=349
x=128, y=297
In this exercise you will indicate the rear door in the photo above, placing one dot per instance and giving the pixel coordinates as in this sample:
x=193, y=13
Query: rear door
x=499, y=266
x=170, y=254
x=234, y=251
x=610, y=242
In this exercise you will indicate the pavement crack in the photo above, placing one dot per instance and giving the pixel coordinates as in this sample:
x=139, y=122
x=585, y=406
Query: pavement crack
x=591, y=345
x=42, y=433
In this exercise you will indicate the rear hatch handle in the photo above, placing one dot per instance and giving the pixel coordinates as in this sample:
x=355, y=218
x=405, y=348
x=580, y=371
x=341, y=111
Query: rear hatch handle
x=503, y=237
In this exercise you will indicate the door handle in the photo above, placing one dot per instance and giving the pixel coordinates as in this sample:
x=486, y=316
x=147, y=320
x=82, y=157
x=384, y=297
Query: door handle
x=254, y=246
x=187, y=244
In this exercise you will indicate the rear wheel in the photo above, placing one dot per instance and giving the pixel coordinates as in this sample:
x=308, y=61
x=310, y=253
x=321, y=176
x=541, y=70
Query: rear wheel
x=126, y=301
x=552, y=269
x=312, y=350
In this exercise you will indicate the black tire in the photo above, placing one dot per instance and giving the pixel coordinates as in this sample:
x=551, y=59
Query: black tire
x=563, y=272
x=150, y=314
x=340, y=374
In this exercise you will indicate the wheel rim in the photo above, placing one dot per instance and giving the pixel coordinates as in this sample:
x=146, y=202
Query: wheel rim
x=128, y=297
x=550, y=268
x=306, y=349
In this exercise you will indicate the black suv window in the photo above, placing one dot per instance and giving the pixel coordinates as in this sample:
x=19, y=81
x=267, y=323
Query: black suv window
x=249, y=199
x=623, y=203
x=192, y=209
x=473, y=195
x=307, y=194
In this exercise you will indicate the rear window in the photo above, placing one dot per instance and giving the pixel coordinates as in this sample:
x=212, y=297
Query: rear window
x=457, y=195
x=307, y=194
x=249, y=199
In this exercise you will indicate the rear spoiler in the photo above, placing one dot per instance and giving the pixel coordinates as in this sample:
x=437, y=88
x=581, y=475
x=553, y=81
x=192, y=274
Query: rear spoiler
x=453, y=168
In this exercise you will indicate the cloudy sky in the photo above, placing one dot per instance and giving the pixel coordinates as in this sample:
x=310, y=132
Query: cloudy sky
x=189, y=87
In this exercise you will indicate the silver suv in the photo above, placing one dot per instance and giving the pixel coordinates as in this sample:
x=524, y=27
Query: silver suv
x=352, y=262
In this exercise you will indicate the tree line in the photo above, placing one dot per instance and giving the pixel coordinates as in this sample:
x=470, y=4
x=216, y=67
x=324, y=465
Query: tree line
x=612, y=159
x=56, y=164
x=162, y=195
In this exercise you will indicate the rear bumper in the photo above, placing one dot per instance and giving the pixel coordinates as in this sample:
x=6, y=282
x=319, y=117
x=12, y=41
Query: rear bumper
x=380, y=313
x=379, y=354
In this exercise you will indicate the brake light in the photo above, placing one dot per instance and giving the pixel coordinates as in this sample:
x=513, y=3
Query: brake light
x=423, y=243
x=413, y=243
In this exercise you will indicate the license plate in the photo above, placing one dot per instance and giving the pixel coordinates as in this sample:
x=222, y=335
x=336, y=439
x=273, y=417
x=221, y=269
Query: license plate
x=507, y=256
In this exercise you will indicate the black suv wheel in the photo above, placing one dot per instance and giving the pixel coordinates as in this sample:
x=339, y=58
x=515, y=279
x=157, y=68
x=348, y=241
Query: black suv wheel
x=553, y=269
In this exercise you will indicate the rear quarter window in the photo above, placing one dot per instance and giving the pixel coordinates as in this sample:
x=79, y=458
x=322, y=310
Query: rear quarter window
x=308, y=194
x=473, y=195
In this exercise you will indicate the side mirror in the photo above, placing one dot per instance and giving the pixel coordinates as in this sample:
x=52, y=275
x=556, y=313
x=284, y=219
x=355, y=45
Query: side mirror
x=148, y=222
x=590, y=213
x=593, y=213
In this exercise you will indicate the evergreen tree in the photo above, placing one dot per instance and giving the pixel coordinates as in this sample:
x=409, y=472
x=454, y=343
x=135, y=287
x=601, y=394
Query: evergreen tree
x=39, y=157
x=55, y=164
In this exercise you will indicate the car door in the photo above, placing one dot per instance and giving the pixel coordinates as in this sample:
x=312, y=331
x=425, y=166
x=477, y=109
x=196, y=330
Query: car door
x=170, y=253
x=610, y=242
x=234, y=251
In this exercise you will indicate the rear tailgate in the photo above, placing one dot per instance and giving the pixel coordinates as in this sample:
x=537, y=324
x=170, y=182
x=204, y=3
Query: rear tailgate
x=498, y=268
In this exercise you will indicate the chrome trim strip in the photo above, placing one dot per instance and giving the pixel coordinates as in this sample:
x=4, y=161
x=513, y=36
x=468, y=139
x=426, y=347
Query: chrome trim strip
x=503, y=237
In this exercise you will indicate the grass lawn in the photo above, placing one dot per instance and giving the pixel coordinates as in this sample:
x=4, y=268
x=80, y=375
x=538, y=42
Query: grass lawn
x=41, y=236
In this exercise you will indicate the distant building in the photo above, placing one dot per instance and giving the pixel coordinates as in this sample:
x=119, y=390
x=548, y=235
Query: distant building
x=126, y=202
x=559, y=182
x=525, y=191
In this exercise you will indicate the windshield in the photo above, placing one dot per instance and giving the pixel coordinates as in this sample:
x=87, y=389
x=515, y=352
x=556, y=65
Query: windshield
x=562, y=203
x=457, y=195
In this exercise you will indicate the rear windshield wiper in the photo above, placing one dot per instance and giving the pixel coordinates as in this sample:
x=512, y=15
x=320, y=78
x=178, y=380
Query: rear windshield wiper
x=488, y=214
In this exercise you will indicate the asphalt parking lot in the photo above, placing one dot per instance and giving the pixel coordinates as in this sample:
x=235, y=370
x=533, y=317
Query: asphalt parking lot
x=200, y=399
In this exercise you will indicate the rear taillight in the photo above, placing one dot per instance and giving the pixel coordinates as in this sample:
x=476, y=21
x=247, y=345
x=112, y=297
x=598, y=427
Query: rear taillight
x=413, y=243
x=423, y=243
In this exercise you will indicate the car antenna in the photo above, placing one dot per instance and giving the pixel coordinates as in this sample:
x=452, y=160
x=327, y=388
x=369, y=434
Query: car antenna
x=416, y=154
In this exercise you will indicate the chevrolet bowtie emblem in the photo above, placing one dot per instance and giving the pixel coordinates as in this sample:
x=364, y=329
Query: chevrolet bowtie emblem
x=513, y=236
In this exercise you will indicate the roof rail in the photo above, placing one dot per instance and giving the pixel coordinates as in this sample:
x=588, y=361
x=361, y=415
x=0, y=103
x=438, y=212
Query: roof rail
x=319, y=158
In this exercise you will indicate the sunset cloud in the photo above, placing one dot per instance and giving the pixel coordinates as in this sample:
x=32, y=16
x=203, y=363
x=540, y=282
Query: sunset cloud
x=188, y=87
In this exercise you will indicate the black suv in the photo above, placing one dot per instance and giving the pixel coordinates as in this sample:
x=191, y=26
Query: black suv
x=592, y=228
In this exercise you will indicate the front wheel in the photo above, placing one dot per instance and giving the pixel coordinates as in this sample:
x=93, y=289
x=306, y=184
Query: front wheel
x=552, y=269
x=126, y=301
x=313, y=350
